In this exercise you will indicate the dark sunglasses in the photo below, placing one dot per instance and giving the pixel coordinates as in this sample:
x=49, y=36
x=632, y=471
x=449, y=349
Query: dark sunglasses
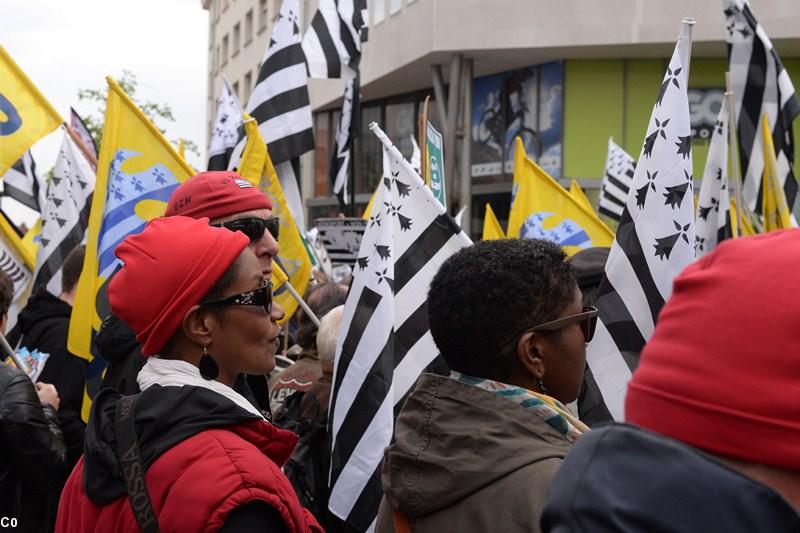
x=587, y=319
x=254, y=227
x=261, y=296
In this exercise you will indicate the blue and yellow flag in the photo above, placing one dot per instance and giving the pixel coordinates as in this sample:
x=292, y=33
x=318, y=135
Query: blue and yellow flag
x=25, y=115
x=256, y=167
x=492, y=229
x=137, y=170
x=543, y=209
x=775, y=208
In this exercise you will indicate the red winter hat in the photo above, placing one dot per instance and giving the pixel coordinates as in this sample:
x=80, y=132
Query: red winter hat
x=168, y=268
x=215, y=194
x=721, y=371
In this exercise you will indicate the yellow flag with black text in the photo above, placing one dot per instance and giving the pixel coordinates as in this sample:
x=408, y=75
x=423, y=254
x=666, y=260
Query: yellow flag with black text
x=492, y=229
x=543, y=209
x=256, y=167
x=25, y=114
x=137, y=170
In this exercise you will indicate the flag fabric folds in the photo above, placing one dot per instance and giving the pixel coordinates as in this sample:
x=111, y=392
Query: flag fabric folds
x=655, y=237
x=385, y=342
x=28, y=116
x=713, y=220
x=340, y=160
x=225, y=133
x=79, y=127
x=543, y=209
x=332, y=43
x=22, y=183
x=617, y=179
x=760, y=85
x=18, y=262
x=293, y=258
x=491, y=226
x=775, y=208
x=137, y=171
x=577, y=192
x=66, y=214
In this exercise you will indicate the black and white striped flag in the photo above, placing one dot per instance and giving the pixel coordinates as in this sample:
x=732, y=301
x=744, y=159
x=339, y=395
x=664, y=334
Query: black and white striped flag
x=24, y=185
x=655, y=237
x=760, y=85
x=65, y=216
x=713, y=221
x=340, y=160
x=617, y=180
x=332, y=43
x=225, y=133
x=385, y=342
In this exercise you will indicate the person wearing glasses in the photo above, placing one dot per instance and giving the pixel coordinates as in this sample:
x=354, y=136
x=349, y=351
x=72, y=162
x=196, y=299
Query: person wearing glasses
x=476, y=450
x=188, y=453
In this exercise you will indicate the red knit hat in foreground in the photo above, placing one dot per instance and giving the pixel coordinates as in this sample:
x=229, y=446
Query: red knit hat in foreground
x=215, y=194
x=722, y=371
x=168, y=268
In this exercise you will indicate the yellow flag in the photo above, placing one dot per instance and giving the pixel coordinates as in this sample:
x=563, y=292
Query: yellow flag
x=775, y=209
x=31, y=240
x=368, y=209
x=256, y=167
x=491, y=226
x=543, y=209
x=580, y=196
x=747, y=226
x=25, y=115
x=137, y=170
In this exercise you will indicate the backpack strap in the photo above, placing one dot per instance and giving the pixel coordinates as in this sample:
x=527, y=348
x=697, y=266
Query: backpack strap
x=132, y=467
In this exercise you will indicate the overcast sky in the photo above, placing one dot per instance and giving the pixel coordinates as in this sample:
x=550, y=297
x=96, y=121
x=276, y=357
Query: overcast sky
x=66, y=45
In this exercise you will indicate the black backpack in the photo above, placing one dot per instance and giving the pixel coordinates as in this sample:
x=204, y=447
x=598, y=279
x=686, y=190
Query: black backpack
x=307, y=469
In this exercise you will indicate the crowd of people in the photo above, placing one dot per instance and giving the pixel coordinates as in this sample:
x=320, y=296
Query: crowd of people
x=187, y=434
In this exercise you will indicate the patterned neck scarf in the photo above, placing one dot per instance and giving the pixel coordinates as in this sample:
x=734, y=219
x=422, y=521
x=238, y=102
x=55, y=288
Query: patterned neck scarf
x=545, y=408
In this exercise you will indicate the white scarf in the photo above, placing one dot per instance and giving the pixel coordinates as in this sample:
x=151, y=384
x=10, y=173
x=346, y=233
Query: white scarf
x=177, y=373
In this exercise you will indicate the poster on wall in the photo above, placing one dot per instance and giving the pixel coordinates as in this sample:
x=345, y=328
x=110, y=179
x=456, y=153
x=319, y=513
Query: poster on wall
x=526, y=103
x=704, y=106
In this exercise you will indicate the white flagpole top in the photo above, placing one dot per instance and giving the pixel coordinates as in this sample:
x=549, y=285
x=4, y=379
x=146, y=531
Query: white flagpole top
x=686, y=27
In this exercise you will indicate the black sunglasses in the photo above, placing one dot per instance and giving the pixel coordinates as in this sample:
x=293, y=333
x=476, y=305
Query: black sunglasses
x=587, y=319
x=254, y=227
x=261, y=296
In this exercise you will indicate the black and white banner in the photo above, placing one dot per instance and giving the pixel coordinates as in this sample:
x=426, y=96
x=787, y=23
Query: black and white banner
x=617, y=180
x=332, y=43
x=225, y=133
x=713, y=222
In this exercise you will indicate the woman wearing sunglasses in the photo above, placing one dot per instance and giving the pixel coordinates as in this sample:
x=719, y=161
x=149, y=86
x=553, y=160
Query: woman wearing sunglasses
x=476, y=450
x=188, y=453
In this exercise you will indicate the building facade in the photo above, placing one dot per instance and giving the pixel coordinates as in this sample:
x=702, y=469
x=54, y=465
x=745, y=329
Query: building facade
x=564, y=75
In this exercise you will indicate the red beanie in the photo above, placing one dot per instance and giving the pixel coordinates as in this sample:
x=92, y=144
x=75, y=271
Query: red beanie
x=168, y=268
x=721, y=371
x=215, y=194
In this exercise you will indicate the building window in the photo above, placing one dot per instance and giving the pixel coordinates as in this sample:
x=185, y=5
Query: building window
x=322, y=132
x=262, y=15
x=401, y=125
x=225, y=49
x=236, y=89
x=371, y=153
x=247, y=87
x=248, y=27
x=394, y=6
x=237, y=38
x=378, y=9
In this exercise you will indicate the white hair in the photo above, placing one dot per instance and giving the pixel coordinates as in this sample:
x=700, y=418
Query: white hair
x=328, y=334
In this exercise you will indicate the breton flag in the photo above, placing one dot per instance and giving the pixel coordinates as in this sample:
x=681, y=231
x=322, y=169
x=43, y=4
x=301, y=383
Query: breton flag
x=760, y=85
x=617, y=180
x=80, y=129
x=26, y=114
x=332, y=43
x=385, y=342
x=66, y=214
x=23, y=183
x=17, y=261
x=280, y=104
x=713, y=221
x=225, y=133
x=655, y=238
x=347, y=130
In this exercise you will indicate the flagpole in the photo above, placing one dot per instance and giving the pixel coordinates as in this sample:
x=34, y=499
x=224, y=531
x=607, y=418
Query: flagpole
x=423, y=140
x=18, y=362
x=77, y=140
x=736, y=169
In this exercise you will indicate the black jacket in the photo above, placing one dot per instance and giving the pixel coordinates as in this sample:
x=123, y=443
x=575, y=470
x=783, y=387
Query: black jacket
x=44, y=324
x=623, y=479
x=32, y=454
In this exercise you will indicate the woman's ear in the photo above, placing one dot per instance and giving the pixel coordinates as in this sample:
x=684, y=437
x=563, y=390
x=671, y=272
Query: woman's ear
x=530, y=354
x=198, y=324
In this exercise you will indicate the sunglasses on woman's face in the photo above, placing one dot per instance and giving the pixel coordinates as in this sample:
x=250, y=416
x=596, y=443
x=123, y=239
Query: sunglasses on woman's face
x=261, y=296
x=254, y=227
x=587, y=319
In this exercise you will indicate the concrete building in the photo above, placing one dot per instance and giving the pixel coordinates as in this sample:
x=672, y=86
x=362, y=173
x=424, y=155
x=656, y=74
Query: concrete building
x=567, y=75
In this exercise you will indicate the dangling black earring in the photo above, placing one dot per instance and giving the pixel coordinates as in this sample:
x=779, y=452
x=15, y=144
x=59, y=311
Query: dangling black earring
x=208, y=367
x=541, y=384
